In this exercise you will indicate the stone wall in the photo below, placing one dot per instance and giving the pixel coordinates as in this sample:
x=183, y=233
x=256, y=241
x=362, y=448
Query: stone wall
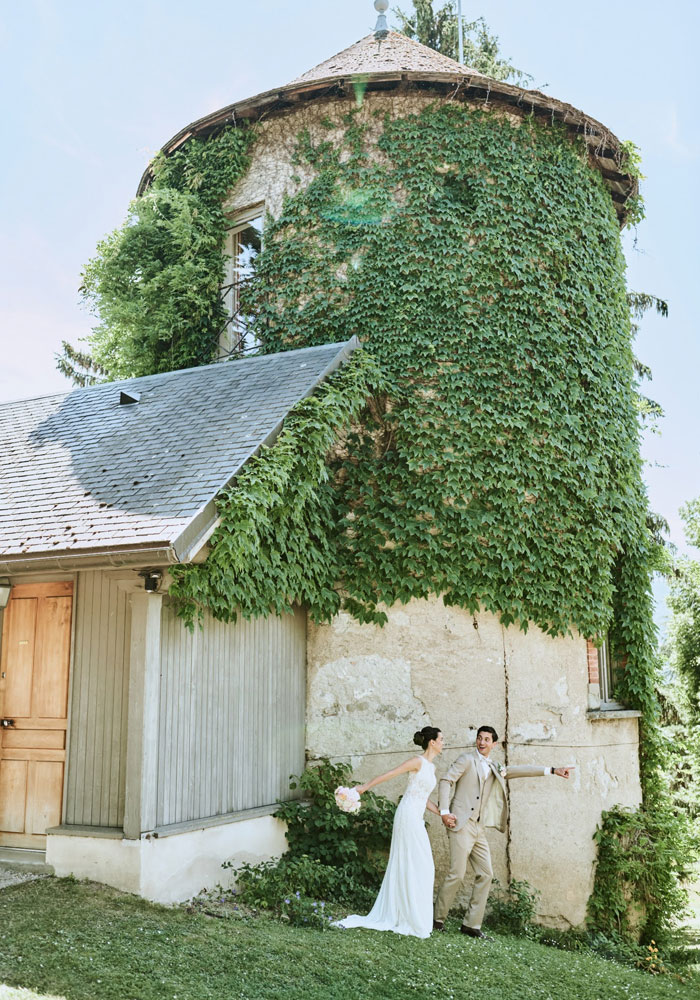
x=273, y=173
x=370, y=688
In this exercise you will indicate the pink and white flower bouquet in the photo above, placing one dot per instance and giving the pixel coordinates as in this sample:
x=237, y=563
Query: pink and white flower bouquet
x=347, y=799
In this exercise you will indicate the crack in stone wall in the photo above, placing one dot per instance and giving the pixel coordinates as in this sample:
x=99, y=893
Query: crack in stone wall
x=370, y=688
x=506, y=739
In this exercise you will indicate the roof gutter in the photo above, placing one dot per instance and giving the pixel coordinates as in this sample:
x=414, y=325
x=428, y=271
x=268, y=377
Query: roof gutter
x=70, y=561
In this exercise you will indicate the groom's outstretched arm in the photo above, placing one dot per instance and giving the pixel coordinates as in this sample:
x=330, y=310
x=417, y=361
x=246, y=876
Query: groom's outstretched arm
x=454, y=773
x=528, y=771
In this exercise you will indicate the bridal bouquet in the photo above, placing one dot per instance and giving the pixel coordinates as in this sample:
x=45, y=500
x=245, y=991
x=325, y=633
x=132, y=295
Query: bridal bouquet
x=347, y=799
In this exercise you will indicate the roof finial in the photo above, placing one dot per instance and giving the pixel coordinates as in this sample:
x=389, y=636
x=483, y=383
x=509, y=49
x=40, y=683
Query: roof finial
x=381, y=29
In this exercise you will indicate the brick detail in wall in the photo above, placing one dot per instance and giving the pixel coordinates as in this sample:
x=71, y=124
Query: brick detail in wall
x=592, y=655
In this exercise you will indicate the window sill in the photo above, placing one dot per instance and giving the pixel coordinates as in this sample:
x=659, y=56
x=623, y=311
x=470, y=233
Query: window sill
x=221, y=820
x=76, y=830
x=613, y=713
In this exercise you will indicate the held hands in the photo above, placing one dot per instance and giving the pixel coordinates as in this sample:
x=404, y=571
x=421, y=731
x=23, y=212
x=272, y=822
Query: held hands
x=450, y=820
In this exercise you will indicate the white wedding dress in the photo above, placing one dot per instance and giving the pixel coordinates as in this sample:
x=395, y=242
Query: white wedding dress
x=405, y=901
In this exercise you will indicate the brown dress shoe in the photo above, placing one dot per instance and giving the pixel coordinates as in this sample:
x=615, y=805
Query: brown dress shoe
x=438, y=925
x=474, y=932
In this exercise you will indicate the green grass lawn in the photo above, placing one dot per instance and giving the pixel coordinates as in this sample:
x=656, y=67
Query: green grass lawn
x=83, y=941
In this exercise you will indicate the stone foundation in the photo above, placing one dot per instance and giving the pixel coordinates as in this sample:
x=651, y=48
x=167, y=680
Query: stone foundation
x=166, y=869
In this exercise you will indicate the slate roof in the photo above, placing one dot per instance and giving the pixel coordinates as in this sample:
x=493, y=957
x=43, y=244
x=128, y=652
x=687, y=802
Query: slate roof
x=84, y=478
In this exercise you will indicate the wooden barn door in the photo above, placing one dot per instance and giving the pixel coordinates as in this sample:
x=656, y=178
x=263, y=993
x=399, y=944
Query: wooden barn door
x=33, y=711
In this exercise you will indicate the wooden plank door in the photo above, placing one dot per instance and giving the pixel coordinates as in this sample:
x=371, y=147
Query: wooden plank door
x=34, y=666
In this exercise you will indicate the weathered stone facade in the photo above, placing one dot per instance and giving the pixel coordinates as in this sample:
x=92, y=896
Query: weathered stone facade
x=370, y=688
x=273, y=173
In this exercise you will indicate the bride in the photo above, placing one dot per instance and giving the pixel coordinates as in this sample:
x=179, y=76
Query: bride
x=405, y=901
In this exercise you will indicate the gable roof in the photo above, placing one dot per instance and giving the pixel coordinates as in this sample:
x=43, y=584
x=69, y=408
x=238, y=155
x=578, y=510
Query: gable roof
x=399, y=63
x=86, y=480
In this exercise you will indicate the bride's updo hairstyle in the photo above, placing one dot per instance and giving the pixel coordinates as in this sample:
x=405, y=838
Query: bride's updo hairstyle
x=423, y=737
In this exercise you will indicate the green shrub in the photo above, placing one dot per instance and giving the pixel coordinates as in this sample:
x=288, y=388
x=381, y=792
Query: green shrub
x=269, y=884
x=334, y=857
x=358, y=844
x=511, y=910
x=644, y=856
x=572, y=939
x=614, y=948
x=304, y=912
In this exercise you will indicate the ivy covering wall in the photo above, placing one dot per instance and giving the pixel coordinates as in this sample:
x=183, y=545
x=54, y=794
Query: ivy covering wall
x=276, y=543
x=479, y=260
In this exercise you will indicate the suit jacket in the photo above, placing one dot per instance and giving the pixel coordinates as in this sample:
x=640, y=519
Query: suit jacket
x=467, y=794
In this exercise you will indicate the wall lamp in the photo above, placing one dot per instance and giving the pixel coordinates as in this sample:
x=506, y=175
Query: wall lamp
x=5, y=588
x=151, y=580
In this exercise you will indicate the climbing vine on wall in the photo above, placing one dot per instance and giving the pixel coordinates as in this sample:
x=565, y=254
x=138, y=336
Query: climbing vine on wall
x=479, y=259
x=480, y=262
x=276, y=543
x=154, y=282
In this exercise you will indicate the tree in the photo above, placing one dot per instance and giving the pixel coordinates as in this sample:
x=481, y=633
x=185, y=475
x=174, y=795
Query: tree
x=639, y=303
x=155, y=283
x=79, y=367
x=684, y=602
x=438, y=30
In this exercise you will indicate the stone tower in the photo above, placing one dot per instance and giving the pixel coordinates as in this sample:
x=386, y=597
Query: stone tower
x=455, y=653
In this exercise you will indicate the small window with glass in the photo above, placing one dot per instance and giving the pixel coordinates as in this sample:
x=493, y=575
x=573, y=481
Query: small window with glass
x=243, y=244
x=608, y=673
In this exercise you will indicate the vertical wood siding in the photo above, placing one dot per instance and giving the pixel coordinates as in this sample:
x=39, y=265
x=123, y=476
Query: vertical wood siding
x=98, y=712
x=232, y=703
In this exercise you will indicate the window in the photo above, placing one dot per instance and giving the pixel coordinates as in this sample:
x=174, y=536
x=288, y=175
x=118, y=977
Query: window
x=243, y=244
x=608, y=672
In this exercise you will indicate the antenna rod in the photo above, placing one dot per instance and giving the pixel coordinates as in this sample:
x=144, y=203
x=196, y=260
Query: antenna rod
x=460, y=40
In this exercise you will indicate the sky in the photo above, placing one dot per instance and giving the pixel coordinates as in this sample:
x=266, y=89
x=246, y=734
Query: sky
x=92, y=90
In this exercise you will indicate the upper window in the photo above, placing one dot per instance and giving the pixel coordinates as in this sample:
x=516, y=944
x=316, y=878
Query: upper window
x=243, y=244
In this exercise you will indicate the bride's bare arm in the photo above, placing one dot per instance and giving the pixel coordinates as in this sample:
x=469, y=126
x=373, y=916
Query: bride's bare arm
x=412, y=764
x=431, y=807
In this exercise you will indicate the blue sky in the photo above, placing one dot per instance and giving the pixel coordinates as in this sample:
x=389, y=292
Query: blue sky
x=92, y=90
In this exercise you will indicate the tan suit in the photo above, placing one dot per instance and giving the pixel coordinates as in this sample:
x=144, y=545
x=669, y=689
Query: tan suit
x=478, y=800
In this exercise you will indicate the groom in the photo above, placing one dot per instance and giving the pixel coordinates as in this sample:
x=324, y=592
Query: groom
x=472, y=796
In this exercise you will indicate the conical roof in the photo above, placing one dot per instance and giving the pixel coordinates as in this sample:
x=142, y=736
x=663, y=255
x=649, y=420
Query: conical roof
x=398, y=62
x=395, y=53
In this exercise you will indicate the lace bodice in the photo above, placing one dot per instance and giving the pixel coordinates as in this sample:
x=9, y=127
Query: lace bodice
x=420, y=785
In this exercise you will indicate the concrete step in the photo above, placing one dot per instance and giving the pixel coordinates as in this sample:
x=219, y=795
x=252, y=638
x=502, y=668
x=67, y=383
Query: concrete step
x=25, y=860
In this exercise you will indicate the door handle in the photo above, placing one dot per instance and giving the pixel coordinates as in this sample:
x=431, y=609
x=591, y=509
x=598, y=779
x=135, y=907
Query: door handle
x=6, y=723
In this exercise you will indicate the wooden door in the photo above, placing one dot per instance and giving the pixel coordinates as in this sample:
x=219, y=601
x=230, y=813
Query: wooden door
x=34, y=695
